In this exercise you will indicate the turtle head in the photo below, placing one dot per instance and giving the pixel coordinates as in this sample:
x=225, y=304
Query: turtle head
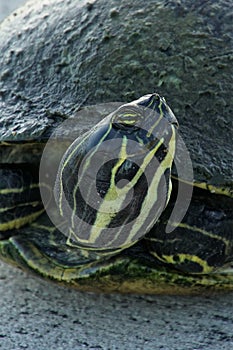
x=156, y=103
x=114, y=181
x=143, y=113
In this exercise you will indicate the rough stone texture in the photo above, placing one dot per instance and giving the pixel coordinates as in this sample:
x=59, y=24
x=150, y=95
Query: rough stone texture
x=37, y=315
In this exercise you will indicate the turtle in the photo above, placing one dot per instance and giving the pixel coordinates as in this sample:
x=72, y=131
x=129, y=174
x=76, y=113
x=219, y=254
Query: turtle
x=195, y=256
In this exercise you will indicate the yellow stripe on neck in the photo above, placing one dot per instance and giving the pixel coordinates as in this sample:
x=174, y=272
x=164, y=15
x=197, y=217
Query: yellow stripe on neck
x=17, y=223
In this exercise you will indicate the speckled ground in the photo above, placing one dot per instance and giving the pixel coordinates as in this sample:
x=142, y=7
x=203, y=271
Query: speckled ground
x=38, y=315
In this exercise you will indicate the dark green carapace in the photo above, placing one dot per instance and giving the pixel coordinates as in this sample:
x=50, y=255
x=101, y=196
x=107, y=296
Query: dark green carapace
x=59, y=57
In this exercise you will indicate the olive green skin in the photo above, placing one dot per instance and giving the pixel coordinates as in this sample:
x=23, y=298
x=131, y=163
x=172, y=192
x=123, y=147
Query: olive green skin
x=118, y=54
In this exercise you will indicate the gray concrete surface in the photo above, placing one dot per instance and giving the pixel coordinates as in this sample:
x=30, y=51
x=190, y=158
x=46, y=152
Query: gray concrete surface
x=37, y=315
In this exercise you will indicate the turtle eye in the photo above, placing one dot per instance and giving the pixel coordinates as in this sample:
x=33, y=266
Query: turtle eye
x=127, y=119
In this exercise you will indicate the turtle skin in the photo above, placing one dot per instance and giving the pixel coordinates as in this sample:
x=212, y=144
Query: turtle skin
x=96, y=59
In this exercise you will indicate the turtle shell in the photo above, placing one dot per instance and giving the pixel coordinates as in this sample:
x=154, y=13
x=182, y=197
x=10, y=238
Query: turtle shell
x=59, y=55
